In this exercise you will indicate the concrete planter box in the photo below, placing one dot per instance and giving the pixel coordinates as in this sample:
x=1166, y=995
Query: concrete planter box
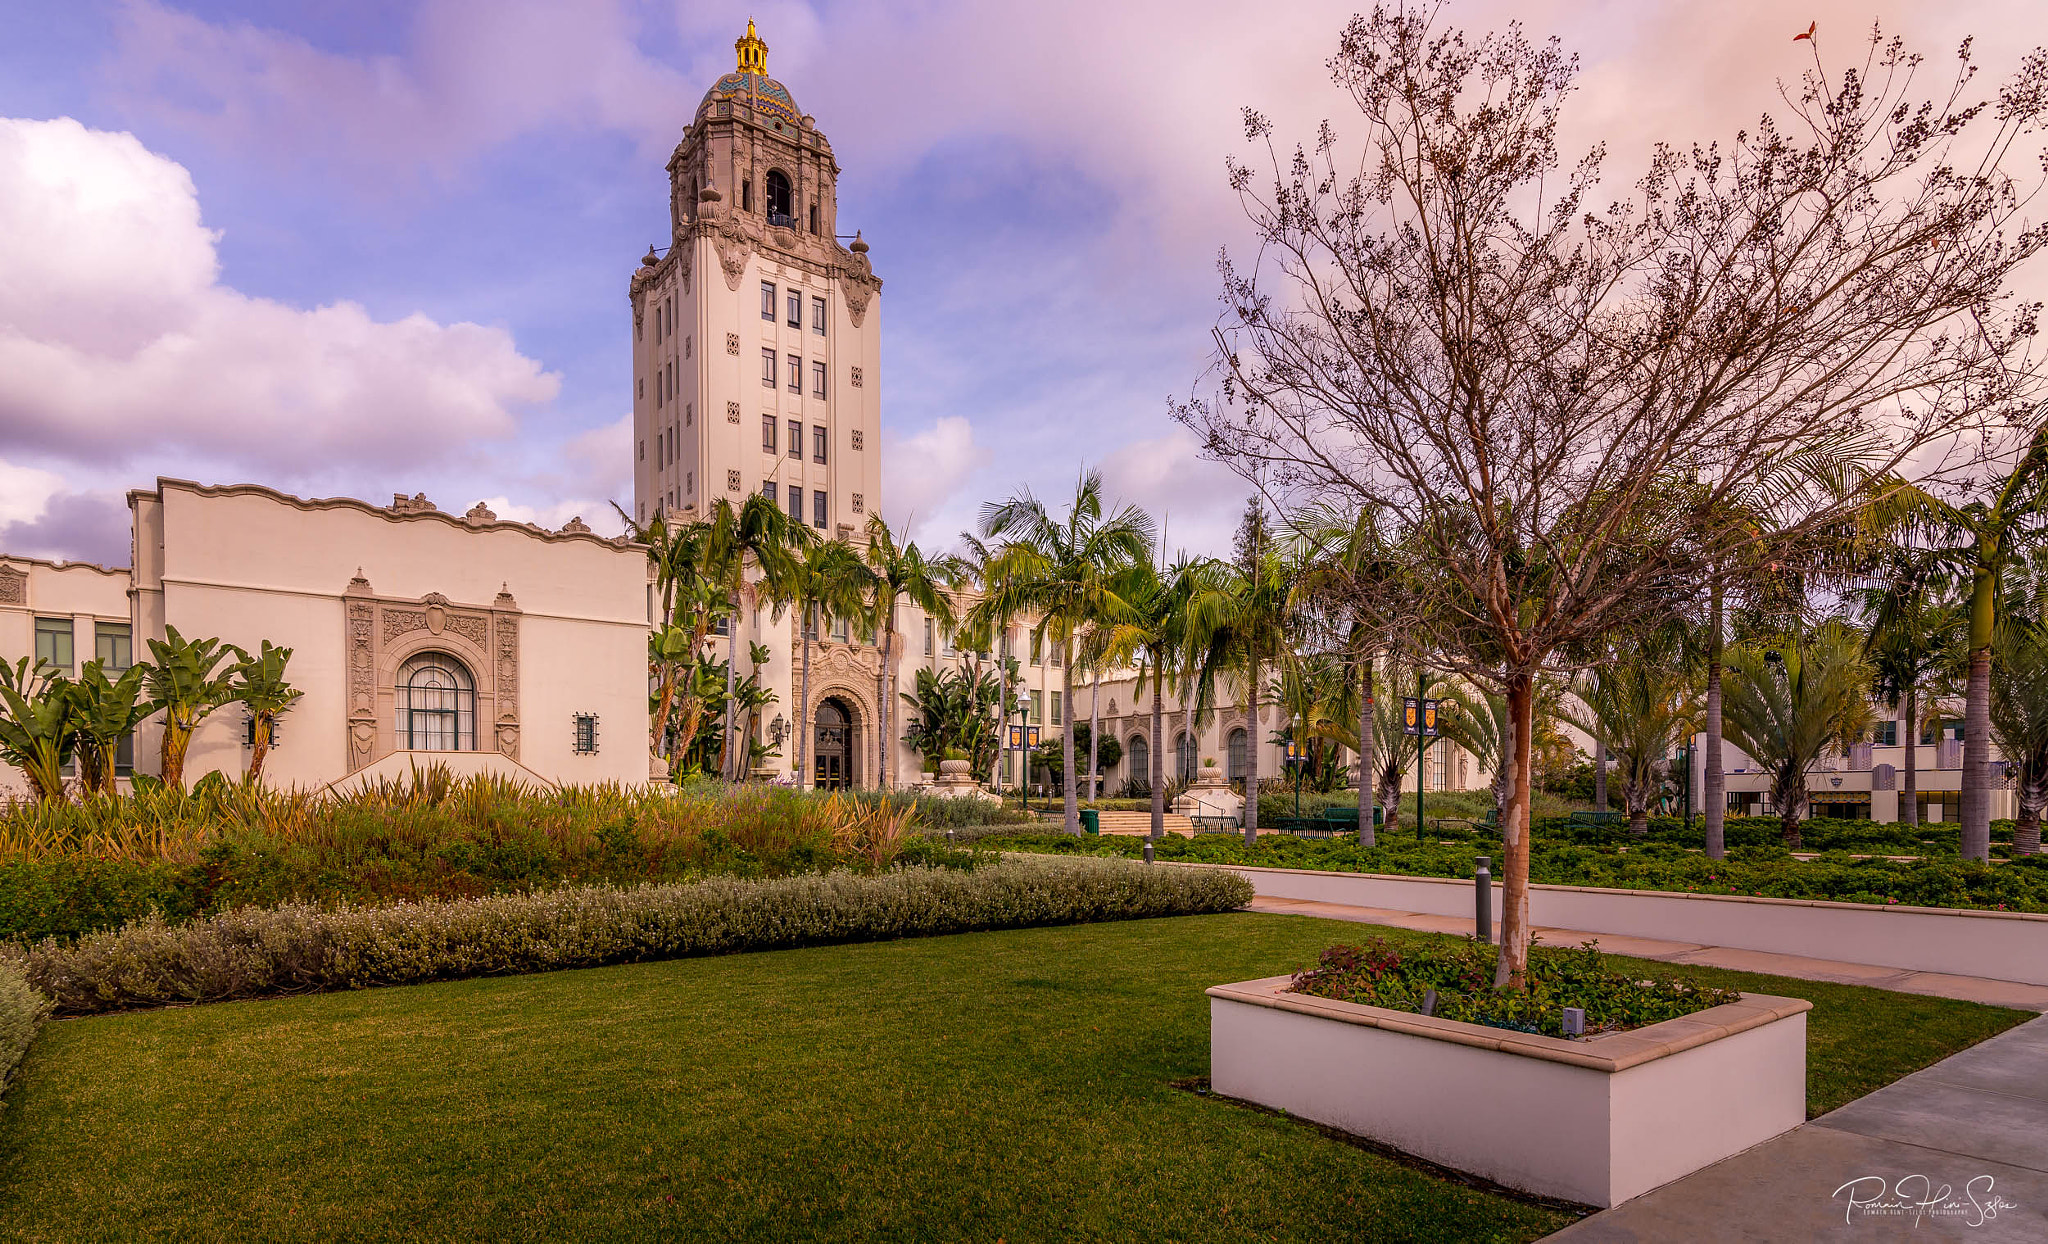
x=1596, y=1121
x=2002, y=945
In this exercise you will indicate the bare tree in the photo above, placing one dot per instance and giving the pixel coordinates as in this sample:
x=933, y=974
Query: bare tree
x=1559, y=400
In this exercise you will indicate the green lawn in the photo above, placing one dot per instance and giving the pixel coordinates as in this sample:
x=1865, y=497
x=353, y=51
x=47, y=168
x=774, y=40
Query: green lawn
x=1013, y=1085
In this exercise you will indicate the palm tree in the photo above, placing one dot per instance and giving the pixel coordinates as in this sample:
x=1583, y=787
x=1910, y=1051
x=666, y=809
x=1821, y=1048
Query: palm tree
x=759, y=533
x=903, y=573
x=1152, y=639
x=187, y=682
x=823, y=582
x=1982, y=539
x=1062, y=571
x=1349, y=565
x=1241, y=629
x=1785, y=707
x=1914, y=636
x=1641, y=707
x=2019, y=720
x=261, y=688
x=1480, y=724
x=689, y=603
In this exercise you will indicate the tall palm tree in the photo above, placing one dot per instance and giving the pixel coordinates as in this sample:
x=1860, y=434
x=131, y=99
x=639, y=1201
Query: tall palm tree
x=903, y=573
x=1915, y=634
x=1642, y=707
x=826, y=581
x=1982, y=539
x=2019, y=720
x=1152, y=638
x=1062, y=571
x=1240, y=630
x=755, y=534
x=1786, y=706
x=688, y=603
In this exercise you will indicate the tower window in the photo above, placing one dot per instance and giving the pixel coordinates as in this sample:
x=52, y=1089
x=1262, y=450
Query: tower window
x=856, y=438
x=643, y=451
x=780, y=211
x=796, y=503
x=686, y=347
x=689, y=413
x=767, y=434
x=814, y=218
x=768, y=491
x=818, y=508
x=817, y=379
x=793, y=310
x=746, y=194
x=796, y=373
x=585, y=733
x=796, y=439
x=818, y=445
x=768, y=301
x=768, y=366
x=817, y=311
x=640, y=387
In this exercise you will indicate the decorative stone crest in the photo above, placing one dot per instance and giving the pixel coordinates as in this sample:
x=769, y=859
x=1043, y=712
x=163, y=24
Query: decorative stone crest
x=576, y=526
x=415, y=504
x=13, y=586
x=479, y=514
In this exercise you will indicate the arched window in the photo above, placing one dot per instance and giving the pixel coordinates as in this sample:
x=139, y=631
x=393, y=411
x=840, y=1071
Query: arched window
x=814, y=218
x=1141, y=760
x=436, y=705
x=1239, y=761
x=780, y=212
x=1184, y=756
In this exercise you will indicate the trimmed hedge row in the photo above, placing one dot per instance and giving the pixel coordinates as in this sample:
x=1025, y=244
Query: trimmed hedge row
x=297, y=948
x=2017, y=885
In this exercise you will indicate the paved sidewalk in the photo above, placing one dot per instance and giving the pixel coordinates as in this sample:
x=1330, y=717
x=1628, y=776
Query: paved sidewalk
x=1936, y=984
x=1958, y=1151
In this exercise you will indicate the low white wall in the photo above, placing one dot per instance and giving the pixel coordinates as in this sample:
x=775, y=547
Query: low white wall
x=2010, y=946
x=1595, y=1121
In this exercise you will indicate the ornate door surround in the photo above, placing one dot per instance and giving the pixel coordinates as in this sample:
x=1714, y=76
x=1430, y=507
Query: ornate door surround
x=384, y=632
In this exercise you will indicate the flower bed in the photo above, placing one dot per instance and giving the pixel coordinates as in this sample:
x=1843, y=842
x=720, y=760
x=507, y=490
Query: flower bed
x=1461, y=977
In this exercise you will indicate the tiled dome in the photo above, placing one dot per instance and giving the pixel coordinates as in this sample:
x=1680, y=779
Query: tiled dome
x=763, y=94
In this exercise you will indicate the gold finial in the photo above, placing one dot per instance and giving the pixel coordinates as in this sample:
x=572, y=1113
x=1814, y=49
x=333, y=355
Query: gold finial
x=753, y=52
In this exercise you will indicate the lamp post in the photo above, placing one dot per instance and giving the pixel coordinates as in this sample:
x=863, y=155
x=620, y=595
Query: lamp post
x=778, y=730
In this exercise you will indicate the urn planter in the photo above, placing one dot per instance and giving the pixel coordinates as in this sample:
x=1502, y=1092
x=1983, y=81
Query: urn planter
x=1596, y=1120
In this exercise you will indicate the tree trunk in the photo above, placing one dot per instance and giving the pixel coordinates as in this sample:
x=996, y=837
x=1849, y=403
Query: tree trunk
x=1512, y=966
x=1067, y=782
x=1095, y=737
x=1713, y=781
x=803, y=707
x=1791, y=803
x=1367, y=837
x=1158, y=741
x=885, y=752
x=259, y=749
x=1251, y=758
x=1909, y=797
x=1600, y=775
x=2026, y=832
x=1002, y=710
x=1390, y=794
x=1504, y=772
x=1976, y=837
x=732, y=664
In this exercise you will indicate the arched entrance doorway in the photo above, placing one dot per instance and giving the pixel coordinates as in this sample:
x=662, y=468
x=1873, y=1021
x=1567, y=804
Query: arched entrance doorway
x=836, y=763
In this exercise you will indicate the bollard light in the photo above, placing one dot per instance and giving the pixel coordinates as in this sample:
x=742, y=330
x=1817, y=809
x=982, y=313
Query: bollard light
x=1148, y=851
x=1482, y=899
x=1574, y=1021
x=949, y=838
x=1429, y=1002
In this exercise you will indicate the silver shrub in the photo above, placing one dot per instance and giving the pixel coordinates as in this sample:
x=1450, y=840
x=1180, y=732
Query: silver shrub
x=299, y=947
x=22, y=1011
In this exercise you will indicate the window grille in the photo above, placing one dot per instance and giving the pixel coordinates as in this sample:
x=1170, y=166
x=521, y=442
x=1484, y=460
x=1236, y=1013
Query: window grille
x=436, y=705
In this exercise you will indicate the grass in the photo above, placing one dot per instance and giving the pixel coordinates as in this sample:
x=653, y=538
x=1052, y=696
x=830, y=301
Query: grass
x=1013, y=1085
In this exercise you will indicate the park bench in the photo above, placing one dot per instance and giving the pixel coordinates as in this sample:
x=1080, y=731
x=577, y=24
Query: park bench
x=1596, y=819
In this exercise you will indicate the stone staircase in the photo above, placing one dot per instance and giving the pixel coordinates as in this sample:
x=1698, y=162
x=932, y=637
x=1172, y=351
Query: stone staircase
x=1140, y=823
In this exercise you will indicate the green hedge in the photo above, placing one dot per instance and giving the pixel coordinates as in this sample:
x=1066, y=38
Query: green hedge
x=2017, y=885
x=251, y=952
x=22, y=1011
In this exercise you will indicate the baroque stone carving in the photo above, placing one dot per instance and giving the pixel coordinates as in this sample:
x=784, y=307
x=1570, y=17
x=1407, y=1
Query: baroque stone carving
x=506, y=656
x=415, y=504
x=13, y=586
x=399, y=621
x=362, y=684
x=472, y=627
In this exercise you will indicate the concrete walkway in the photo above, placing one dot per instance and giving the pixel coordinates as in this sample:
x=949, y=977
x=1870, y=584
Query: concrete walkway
x=1958, y=1151
x=1936, y=984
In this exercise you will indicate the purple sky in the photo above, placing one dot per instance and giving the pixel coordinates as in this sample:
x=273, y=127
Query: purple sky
x=366, y=246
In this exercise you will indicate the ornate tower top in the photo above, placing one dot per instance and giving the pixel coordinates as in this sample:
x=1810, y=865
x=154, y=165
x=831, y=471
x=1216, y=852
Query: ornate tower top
x=753, y=52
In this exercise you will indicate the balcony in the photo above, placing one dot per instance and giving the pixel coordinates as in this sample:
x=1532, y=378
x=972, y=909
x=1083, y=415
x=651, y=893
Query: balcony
x=779, y=221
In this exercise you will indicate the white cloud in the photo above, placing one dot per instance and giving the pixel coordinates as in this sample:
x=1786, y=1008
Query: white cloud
x=1196, y=500
x=923, y=473
x=25, y=492
x=117, y=340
